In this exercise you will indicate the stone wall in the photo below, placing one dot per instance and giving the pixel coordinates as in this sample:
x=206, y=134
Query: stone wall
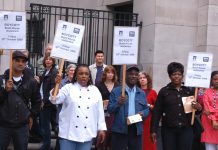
x=12, y=5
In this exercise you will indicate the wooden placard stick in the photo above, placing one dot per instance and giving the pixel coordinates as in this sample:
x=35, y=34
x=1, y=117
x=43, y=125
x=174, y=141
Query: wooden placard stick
x=193, y=111
x=124, y=80
x=60, y=73
x=10, y=69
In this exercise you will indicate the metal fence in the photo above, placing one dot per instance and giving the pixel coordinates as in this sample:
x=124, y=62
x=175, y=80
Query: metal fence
x=99, y=25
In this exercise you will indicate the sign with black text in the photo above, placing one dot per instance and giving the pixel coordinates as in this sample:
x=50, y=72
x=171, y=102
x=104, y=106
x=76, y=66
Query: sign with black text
x=13, y=30
x=125, y=45
x=67, y=41
x=199, y=69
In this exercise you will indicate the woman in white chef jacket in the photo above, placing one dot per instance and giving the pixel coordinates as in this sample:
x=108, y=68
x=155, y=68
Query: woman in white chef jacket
x=82, y=114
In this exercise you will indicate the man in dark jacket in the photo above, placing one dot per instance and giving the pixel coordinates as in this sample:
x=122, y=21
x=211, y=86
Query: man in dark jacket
x=19, y=102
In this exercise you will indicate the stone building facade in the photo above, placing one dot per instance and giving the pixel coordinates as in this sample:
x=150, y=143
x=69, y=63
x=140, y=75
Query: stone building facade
x=170, y=29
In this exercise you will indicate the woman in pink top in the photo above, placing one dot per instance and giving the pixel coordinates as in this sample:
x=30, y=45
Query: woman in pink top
x=210, y=114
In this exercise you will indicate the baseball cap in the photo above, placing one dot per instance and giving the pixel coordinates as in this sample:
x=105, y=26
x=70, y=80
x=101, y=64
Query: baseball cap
x=19, y=54
x=130, y=67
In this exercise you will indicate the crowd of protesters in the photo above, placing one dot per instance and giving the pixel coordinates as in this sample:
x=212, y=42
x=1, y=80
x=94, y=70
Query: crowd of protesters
x=90, y=110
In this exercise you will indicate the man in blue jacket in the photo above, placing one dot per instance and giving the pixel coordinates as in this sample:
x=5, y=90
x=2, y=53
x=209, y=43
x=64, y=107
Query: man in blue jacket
x=133, y=103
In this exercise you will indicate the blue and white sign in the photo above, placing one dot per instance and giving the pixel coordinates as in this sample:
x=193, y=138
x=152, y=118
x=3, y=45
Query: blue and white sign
x=67, y=41
x=13, y=30
x=125, y=45
x=199, y=69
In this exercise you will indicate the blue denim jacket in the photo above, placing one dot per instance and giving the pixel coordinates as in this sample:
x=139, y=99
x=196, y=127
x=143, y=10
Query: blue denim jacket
x=121, y=111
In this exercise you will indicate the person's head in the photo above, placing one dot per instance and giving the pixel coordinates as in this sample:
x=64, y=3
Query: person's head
x=109, y=74
x=214, y=79
x=48, y=49
x=48, y=62
x=99, y=57
x=26, y=52
x=132, y=72
x=18, y=61
x=70, y=70
x=145, y=80
x=175, y=71
x=82, y=75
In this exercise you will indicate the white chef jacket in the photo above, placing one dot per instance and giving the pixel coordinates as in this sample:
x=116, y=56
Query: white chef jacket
x=82, y=113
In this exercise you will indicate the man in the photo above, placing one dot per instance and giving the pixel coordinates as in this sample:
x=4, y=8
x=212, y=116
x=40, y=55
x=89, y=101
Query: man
x=133, y=103
x=98, y=67
x=19, y=102
x=29, y=66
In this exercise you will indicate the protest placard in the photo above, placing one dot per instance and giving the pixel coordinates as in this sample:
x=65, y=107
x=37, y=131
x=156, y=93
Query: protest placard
x=198, y=73
x=125, y=48
x=199, y=69
x=67, y=41
x=125, y=45
x=13, y=30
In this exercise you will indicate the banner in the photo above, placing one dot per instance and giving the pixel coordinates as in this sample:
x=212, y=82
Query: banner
x=13, y=30
x=125, y=45
x=199, y=69
x=67, y=41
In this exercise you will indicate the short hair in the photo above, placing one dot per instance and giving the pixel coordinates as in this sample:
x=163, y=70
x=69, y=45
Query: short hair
x=174, y=67
x=148, y=77
x=99, y=52
x=46, y=57
x=70, y=66
x=106, y=70
x=74, y=80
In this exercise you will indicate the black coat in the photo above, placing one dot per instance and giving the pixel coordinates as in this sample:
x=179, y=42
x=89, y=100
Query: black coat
x=169, y=107
x=48, y=83
x=17, y=105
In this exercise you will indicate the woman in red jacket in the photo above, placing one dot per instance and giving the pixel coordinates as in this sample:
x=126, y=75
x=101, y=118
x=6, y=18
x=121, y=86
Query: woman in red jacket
x=145, y=83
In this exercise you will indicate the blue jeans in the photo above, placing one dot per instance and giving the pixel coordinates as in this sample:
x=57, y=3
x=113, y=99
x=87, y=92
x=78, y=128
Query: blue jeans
x=19, y=137
x=72, y=145
x=45, y=120
x=177, y=138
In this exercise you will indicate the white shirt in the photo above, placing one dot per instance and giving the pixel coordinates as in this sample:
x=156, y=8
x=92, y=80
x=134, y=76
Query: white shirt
x=82, y=113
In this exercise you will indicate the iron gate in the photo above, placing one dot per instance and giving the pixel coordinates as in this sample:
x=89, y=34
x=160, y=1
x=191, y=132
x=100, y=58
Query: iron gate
x=98, y=35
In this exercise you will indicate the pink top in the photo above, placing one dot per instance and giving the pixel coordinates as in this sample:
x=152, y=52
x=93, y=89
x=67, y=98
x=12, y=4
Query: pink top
x=210, y=102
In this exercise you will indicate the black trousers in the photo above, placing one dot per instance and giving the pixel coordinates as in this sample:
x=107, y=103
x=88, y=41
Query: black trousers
x=177, y=138
x=132, y=141
x=19, y=136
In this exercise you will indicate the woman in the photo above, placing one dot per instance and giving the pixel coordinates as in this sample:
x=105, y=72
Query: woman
x=48, y=112
x=210, y=115
x=145, y=83
x=82, y=114
x=68, y=79
x=176, y=131
x=69, y=75
x=105, y=86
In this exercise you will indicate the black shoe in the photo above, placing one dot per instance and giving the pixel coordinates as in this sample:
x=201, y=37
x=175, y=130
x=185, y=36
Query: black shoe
x=35, y=139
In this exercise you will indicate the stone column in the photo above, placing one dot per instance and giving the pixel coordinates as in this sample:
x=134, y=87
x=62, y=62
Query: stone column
x=168, y=34
x=207, y=32
x=11, y=5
